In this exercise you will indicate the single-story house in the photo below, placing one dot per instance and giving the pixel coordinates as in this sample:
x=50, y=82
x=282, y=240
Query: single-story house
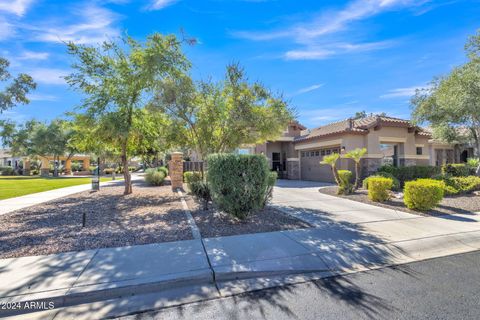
x=297, y=153
x=8, y=160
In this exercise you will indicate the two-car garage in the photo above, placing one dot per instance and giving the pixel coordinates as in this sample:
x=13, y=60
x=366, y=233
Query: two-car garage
x=310, y=167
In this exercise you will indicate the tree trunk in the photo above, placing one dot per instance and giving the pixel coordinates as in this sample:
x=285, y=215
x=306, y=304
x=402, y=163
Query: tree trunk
x=55, y=166
x=126, y=174
x=357, y=174
x=335, y=175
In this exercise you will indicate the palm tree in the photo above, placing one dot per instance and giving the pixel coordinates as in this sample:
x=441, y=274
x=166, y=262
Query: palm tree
x=356, y=155
x=331, y=160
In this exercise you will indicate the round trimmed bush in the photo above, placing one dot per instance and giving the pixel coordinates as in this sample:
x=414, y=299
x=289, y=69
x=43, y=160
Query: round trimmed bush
x=378, y=188
x=238, y=182
x=423, y=194
x=154, y=177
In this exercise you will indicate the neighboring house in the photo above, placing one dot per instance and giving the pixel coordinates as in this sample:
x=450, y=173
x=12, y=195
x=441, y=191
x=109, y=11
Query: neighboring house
x=7, y=160
x=297, y=153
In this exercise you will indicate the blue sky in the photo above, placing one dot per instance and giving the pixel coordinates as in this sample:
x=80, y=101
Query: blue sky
x=329, y=58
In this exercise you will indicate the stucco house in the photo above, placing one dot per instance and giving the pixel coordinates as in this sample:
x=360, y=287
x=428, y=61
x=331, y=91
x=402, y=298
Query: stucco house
x=297, y=153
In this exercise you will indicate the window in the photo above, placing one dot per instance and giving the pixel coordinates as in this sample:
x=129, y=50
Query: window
x=303, y=154
x=328, y=151
x=317, y=153
x=312, y=153
x=419, y=151
x=323, y=152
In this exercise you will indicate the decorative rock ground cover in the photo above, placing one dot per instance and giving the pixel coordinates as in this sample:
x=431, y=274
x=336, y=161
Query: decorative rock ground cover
x=149, y=215
x=462, y=204
x=213, y=223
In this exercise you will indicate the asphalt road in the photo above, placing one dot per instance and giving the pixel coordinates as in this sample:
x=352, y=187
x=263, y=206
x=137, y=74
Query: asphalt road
x=443, y=288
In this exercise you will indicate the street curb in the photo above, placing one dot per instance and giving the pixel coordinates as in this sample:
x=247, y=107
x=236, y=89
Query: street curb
x=101, y=292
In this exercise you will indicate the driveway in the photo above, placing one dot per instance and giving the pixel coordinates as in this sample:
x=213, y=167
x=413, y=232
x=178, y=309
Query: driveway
x=423, y=236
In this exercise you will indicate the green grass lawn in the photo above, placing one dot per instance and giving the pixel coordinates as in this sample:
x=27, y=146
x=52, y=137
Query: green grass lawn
x=19, y=185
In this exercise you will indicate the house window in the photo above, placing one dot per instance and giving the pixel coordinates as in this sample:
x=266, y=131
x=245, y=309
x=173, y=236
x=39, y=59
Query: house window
x=328, y=151
x=317, y=153
x=323, y=152
x=419, y=151
x=312, y=153
x=303, y=154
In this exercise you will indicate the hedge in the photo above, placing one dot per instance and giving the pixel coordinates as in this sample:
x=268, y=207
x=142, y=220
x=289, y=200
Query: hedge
x=456, y=170
x=409, y=173
x=238, y=183
x=423, y=194
x=345, y=178
x=378, y=188
x=7, y=171
x=201, y=190
x=461, y=185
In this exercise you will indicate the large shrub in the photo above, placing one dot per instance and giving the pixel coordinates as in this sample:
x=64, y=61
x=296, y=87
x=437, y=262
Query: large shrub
x=238, y=182
x=409, y=173
x=456, y=170
x=379, y=188
x=7, y=171
x=271, y=180
x=164, y=170
x=345, y=185
x=395, y=182
x=154, y=177
x=423, y=194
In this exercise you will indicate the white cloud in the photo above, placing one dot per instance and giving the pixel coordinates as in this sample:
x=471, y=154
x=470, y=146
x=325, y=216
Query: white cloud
x=328, y=50
x=6, y=29
x=32, y=55
x=331, y=21
x=402, y=92
x=17, y=7
x=42, y=97
x=160, y=4
x=310, y=88
x=308, y=54
x=48, y=76
x=93, y=25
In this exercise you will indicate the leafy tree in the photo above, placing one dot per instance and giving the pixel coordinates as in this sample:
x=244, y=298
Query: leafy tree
x=452, y=103
x=15, y=92
x=35, y=138
x=360, y=114
x=331, y=160
x=215, y=117
x=356, y=155
x=119, y=80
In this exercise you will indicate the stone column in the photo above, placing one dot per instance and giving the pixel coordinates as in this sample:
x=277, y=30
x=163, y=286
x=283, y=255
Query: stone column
x=68, y=167
x=86, y=164
x=26, y=167
x=45, y=168
x=175, y=168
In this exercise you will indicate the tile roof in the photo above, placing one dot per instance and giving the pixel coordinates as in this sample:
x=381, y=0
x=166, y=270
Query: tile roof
x=357, y=126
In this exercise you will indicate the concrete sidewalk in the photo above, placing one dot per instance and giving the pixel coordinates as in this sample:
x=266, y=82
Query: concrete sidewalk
x=12, y=204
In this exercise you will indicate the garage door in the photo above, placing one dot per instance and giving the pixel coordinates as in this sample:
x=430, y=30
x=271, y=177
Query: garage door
x=311, y=169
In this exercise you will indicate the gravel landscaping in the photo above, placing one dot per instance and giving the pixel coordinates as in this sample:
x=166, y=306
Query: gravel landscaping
x=463, y=204
x=149, y=215
x=213, y=223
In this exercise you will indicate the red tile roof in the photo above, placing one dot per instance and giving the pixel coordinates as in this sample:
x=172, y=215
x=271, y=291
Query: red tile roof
x=358, y=126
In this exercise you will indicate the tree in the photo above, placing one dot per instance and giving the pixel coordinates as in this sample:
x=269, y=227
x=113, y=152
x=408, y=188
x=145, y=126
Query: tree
x=214, y=117
x=360, y=115
x=35, y=138
x=119, y=80
x=15, y=92
x=331, y=160
x=451, y=104
x=356, y=155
